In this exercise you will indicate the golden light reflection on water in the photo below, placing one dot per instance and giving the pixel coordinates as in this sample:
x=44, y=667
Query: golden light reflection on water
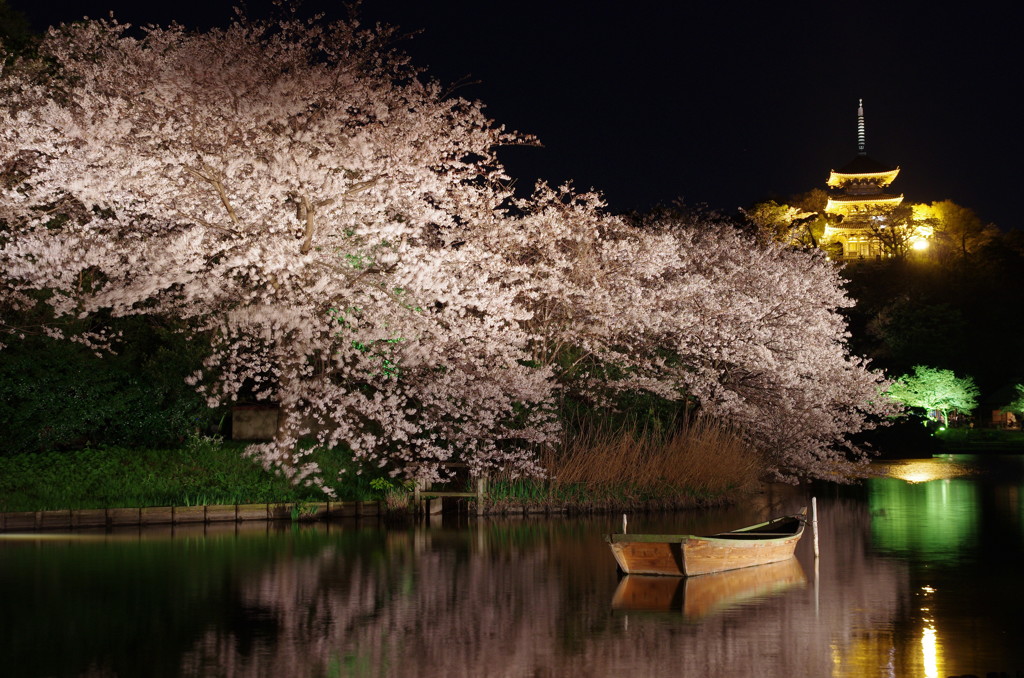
x=930, y=650
x=924, y=470
x=875, y=652
x=870, y=651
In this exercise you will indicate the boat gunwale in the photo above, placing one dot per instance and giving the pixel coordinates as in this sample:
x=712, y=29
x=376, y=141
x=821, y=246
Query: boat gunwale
x=742, y=535
x=681, y=538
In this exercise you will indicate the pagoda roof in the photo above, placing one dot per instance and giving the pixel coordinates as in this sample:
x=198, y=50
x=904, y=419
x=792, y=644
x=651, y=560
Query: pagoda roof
x=847, y=201
x=863, y=168
x=863, y=164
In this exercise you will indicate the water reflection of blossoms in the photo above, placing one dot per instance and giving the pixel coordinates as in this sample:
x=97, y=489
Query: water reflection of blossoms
x=519, y=599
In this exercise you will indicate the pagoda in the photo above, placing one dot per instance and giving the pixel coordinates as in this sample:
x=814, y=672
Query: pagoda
x=858, y=199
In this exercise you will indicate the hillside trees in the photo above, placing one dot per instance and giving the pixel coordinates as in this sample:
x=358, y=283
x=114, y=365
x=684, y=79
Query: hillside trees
x=57, y=394
x=341, y=233
x=15, y=34
x=899, y=230
x=957, y=316
x=774, y=221
x=798, y=225
x=1017, y=404
x=959, y=232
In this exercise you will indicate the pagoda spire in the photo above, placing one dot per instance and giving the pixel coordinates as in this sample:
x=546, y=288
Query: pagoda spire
x=860, y=128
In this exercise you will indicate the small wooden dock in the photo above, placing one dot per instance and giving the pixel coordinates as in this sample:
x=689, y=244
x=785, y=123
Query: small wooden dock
x=421, y=497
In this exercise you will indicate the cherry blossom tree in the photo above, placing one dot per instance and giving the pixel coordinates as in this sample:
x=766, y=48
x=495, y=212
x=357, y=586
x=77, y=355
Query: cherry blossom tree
x=341, y=232
x=291, y=190
x=759, y=338
x=691, y=308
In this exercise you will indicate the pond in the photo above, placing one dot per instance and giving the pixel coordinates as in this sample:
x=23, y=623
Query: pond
x=919, y=575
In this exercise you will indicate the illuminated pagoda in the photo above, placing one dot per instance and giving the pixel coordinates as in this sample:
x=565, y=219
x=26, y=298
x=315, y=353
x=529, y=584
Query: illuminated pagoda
x=859, y=194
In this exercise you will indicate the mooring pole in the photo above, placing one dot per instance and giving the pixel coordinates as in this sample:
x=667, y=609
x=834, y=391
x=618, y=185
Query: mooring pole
x=814, y=523
x=623, y=523
x=817, y=586
x=481, y=488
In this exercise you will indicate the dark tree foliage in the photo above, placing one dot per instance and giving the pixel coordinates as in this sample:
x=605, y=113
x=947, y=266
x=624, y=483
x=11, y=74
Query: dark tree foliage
x=909, y=331
x=962, y=315
x=56, y=394
x=15, y=34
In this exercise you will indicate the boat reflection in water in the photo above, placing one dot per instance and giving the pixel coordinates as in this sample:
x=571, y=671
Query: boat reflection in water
x=705, y=595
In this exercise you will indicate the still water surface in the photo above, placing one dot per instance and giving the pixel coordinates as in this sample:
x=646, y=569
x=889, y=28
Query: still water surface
x=919, y=575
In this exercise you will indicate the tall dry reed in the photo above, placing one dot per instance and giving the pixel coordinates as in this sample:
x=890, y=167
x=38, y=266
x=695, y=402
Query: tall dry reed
x=701, y=458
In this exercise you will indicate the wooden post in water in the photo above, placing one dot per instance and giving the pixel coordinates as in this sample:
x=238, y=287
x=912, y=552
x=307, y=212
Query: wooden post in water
x=814, y=523
x=817, y=560
x=481, y=487
x=817, y=586
x=623, y=523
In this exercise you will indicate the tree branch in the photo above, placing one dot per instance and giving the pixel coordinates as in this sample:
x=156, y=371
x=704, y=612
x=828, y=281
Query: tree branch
x=308, y=212
x=218, y=186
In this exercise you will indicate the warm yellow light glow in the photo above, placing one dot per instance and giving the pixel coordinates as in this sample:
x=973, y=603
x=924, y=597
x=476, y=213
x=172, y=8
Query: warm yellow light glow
x=845, y=204
x=837, y=179
x=924, y=470
x=930, y=651
x=920, y=244
x=918, y=472
x=922, y=211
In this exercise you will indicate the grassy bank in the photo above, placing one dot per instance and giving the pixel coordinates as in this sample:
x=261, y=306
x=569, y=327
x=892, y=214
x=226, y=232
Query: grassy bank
x=201, y=473
x=980, y=440
x=694, y=465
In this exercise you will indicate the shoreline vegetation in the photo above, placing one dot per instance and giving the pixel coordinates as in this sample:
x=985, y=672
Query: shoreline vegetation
x=697, y=464
x=208, y=480
x=626, y=466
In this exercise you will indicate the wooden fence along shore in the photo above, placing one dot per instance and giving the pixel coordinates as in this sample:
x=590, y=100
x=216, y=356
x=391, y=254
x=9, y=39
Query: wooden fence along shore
x=180, y=515
x=424, y=502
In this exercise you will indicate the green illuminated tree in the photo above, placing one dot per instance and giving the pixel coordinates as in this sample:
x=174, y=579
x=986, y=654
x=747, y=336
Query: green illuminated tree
x=1017, y=404
x=935, y=390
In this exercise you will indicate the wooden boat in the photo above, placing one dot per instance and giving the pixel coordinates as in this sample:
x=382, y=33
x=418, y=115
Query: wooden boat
x=689, y=555
x=700, y=597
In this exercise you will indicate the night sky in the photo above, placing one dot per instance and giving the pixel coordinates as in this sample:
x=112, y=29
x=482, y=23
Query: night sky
x=717, y=103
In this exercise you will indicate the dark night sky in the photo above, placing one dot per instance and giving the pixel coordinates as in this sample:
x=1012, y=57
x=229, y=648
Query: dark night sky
x=723, y=103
